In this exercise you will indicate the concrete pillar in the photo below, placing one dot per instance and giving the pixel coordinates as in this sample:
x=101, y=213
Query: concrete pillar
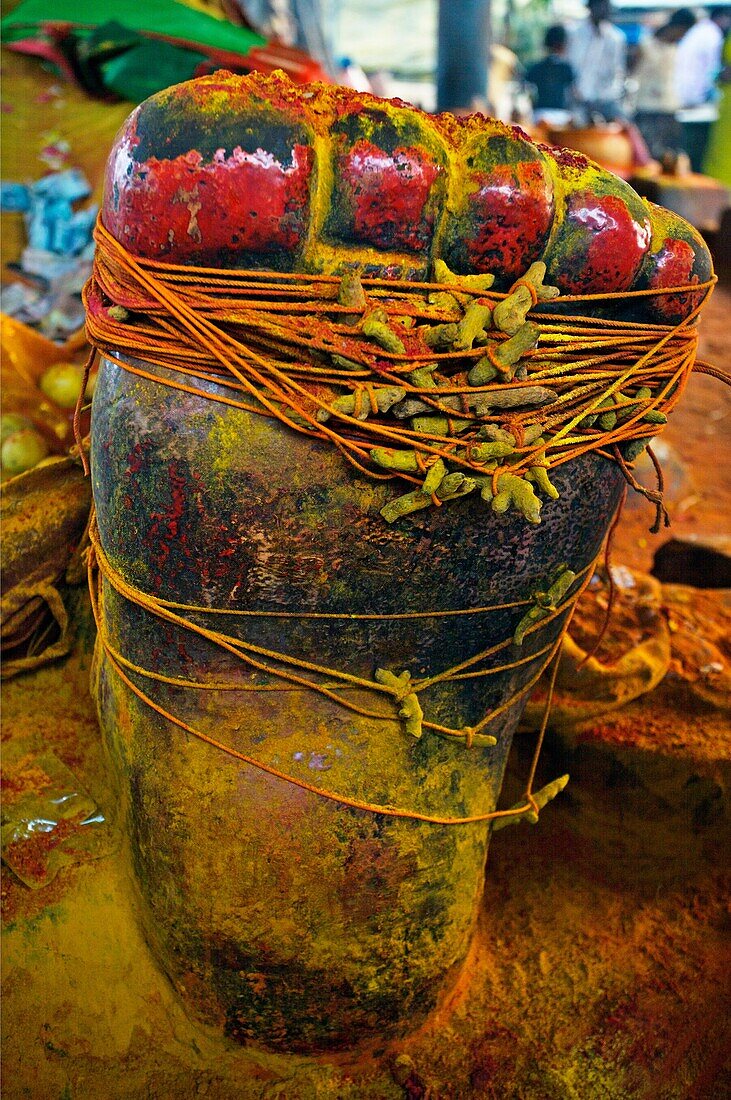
x=463, y=50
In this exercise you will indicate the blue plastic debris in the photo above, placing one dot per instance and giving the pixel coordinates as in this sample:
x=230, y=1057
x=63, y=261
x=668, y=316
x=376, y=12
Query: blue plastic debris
x=47, y=265
x=15, y=297
x=71, y=236
x=42, y=218
x=59, y=252
x=14, y=197
x=53, y=226
x=70, y=185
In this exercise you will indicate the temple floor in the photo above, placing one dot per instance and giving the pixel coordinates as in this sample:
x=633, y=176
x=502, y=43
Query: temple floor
x=598, y=971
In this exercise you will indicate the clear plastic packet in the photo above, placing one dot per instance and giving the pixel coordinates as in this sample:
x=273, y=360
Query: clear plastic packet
x=48, y=821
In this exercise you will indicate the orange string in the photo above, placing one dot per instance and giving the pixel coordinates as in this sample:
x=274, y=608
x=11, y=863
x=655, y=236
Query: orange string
x=269, y=338
x=234, y=645
x=608, y=545
x=529, y=287
x=223, y=323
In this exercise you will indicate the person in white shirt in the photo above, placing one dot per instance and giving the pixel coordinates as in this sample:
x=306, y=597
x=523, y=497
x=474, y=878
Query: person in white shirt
x=699, y=58
x=657, y=100
x=598, y=55
x=697, y=65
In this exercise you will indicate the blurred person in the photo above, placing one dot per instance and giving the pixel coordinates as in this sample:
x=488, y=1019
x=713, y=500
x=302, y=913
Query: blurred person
x=698, y=62
x=502, y=83
x=699, y=57
x=598, y=55
x=552, y=78
x=657, y=100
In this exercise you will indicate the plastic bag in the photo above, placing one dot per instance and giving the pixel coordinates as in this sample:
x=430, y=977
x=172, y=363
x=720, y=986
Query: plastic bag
x=48, y=821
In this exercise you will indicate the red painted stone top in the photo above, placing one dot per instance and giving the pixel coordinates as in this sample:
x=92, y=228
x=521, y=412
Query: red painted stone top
x=258, y=172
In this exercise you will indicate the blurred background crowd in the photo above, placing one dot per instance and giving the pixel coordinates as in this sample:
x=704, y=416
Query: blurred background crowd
x=656, y=68
x=656, y=71
x=666, y=76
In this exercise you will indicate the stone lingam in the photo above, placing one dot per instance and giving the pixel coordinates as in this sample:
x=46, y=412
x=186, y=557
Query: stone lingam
x=353, y=460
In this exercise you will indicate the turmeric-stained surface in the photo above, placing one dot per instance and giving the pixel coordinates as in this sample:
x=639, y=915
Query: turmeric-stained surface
x=597, y=972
